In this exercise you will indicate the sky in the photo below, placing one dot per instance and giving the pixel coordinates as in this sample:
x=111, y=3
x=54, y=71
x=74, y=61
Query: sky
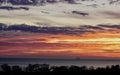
x=102, y=41
x=66, y=35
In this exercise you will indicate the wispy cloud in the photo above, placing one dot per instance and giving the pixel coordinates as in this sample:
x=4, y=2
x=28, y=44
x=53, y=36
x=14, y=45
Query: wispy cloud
x=111, y=14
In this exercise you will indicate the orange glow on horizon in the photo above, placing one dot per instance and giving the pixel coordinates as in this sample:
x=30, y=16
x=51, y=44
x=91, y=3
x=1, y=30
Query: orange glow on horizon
x=99, y=44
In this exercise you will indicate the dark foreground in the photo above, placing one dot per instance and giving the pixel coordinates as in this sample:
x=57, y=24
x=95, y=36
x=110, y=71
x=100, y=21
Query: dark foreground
x=45, y=69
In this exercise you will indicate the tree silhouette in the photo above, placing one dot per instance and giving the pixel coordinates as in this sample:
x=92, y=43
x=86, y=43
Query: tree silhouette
x=5, y=68
x=45, y=69
x=16, y=69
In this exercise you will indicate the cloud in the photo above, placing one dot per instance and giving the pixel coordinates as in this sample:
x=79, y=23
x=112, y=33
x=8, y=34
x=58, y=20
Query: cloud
x=111, y=51
x=111, y=14
x=110, y=26
x=26, y=40
x=21, y=29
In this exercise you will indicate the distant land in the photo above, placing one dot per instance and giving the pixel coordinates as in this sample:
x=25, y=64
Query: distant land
x=87, y=59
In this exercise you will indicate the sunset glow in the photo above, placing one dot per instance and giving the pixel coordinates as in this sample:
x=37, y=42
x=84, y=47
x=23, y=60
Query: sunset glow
x=100, y=44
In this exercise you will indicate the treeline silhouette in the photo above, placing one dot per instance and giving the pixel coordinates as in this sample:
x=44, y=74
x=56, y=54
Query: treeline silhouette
x=46, y=69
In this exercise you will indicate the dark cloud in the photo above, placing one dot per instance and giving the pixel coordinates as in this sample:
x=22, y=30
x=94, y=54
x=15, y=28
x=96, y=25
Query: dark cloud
x=110, y=26
x=80, y=13
x=57, y=30
x=91, y=27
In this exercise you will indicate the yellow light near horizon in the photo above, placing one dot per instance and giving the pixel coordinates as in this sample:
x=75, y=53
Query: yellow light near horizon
x=88, y=41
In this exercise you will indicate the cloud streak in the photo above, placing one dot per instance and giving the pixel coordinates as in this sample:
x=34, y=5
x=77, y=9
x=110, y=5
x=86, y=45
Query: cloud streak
x=111, y=14
x=58, y=30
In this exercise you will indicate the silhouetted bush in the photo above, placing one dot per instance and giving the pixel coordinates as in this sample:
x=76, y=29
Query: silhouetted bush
x=37, y=68
x=16, y=69
x=45, y=69
x=5, y=68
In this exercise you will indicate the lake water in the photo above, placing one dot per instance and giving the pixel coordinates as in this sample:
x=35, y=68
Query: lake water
x=59, y=62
